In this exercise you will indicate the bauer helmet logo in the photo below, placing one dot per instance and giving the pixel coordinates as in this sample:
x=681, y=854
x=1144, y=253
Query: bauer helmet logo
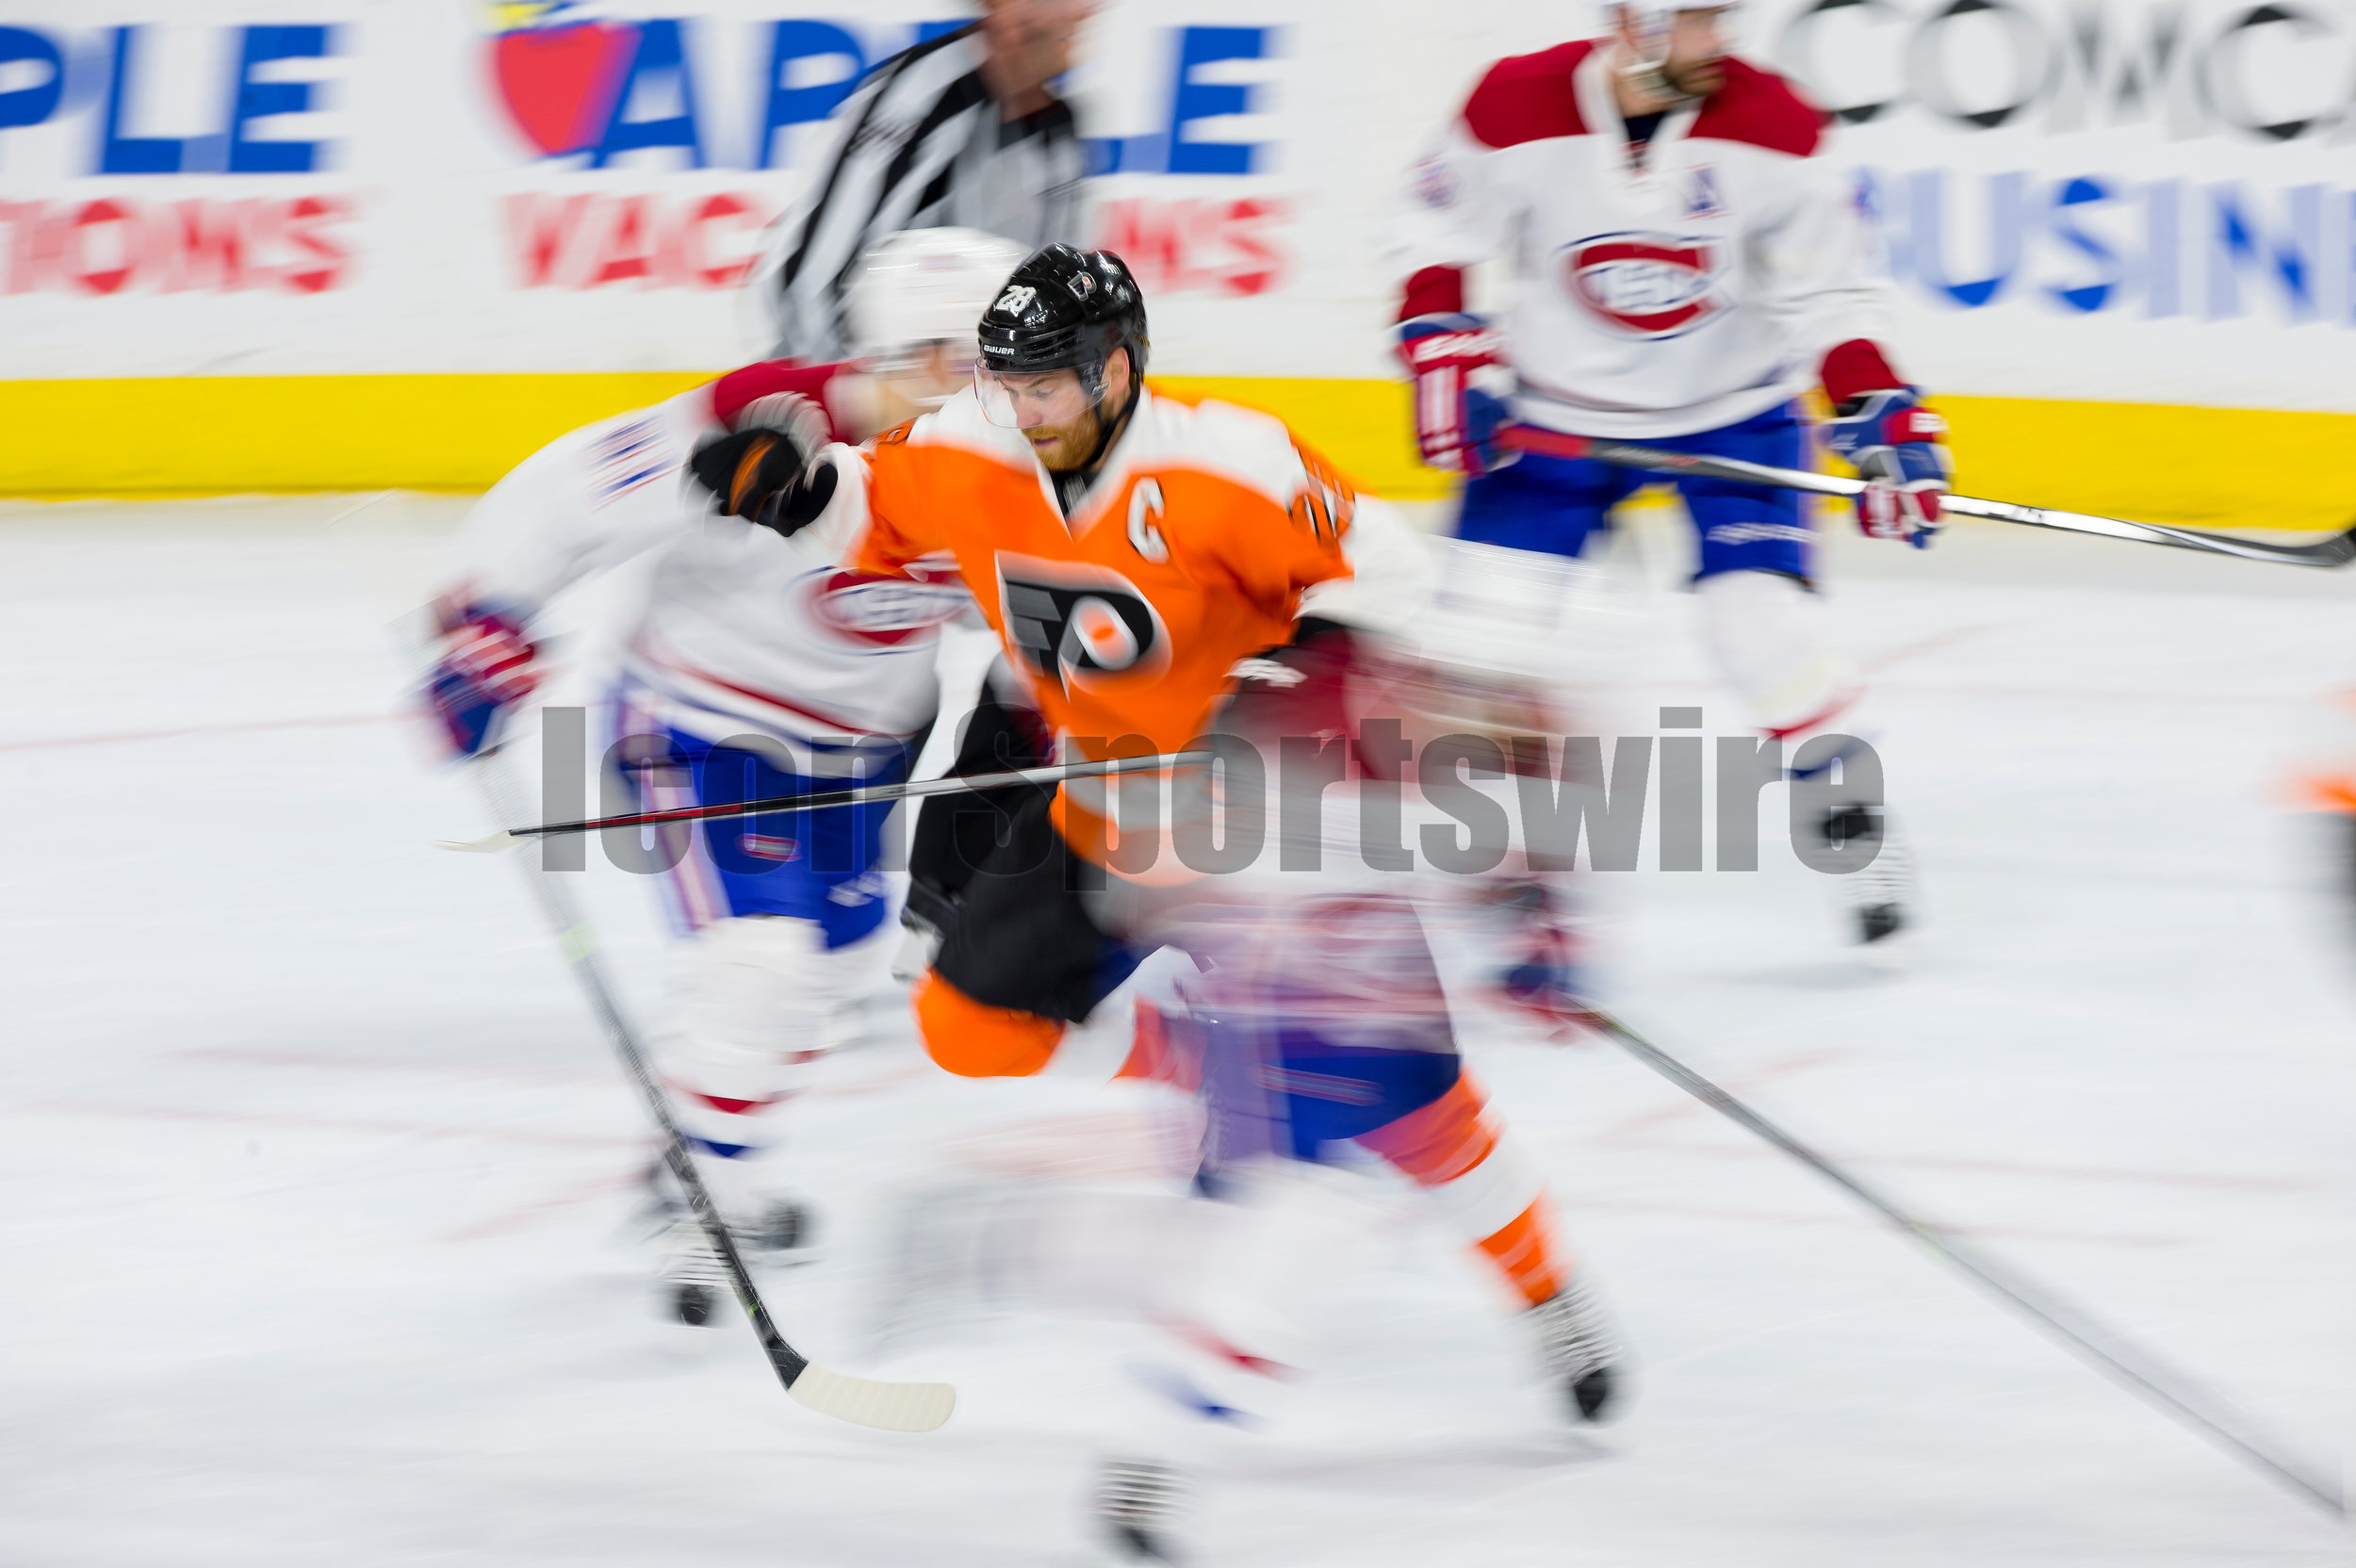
x=1646, y=285
x=1016, y=300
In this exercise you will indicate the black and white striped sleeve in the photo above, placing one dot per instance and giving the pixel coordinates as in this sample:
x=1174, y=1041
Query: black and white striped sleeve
x=891, y=140
x=919, y=144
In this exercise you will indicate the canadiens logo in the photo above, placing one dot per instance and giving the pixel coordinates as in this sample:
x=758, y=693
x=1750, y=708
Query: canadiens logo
x=1646, y=285
x=885, y=611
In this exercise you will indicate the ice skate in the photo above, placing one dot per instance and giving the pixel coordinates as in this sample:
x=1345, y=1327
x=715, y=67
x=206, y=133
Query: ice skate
x=1877, y=901
x=693, y=1279
x=781, y=1226
x=768, y=1225
x=1140, y=1512
x=1576, y=1344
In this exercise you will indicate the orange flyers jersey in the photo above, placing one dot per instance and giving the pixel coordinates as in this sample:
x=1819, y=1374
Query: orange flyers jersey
x=1191, y=550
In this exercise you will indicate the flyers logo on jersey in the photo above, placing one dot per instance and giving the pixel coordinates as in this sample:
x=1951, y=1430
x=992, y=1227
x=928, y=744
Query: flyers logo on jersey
x=1078, y=624
x=1646, y=285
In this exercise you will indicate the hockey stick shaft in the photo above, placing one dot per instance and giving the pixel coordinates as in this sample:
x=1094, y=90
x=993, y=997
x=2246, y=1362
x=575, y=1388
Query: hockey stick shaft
x=578, y=941
x=579, y=945
x=2336, y=551
x=2138, y=1371
x=953, y=784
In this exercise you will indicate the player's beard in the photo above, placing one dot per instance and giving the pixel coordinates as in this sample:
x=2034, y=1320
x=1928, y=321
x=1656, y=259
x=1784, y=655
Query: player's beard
x=1062, y=448
x=1696, y=78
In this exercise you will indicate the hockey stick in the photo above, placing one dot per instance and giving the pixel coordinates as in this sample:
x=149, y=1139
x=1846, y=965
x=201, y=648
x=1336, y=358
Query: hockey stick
x=2138, y=1371
x=866, y=1401
x=2336, y=551
x=509, y=838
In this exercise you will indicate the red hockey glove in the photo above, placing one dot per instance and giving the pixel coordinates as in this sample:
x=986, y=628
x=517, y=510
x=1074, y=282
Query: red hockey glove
x=485, y=668
x=1461, y=381
x=1895, y=445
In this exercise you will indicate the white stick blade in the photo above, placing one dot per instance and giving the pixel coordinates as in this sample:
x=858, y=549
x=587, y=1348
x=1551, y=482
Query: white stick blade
x=493, y=844
x=869, y=1403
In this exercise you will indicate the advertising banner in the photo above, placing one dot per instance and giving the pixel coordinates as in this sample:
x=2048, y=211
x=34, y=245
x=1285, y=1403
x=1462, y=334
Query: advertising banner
x=2126, y=202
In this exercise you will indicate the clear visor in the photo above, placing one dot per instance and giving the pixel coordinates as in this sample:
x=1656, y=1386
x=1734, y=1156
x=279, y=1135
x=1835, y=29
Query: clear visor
x=1032, y=399
x=928, y=373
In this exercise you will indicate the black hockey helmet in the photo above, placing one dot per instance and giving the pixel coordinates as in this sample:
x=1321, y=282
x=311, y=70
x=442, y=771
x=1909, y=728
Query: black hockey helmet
x=1062, y=309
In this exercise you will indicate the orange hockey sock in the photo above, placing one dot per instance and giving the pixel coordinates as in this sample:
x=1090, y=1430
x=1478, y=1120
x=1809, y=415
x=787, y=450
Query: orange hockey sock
x=1524, y=1249
x=976, y=1040
x=1455, y=1149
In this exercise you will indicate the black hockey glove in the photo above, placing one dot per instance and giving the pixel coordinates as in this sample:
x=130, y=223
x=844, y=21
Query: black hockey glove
x=767, y=470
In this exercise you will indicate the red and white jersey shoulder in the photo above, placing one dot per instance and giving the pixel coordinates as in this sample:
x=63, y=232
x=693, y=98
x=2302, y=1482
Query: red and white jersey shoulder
x=740, y=628
x=1693, y=290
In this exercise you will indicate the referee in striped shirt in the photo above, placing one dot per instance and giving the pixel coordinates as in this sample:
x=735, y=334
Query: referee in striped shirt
x=960, y=131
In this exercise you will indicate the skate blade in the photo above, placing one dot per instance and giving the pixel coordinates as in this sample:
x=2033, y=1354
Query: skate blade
x=1616, y=1436
x=1892, y=955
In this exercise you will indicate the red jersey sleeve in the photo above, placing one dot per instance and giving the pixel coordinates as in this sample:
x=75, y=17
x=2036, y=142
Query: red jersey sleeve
x=733, y=393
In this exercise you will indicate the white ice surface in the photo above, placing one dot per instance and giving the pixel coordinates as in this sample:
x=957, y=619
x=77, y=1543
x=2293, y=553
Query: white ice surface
x=313, y=1169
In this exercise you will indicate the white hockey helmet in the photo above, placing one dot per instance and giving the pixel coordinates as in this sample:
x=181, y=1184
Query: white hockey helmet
x=1648, y=23
x=1651, y=18
x=921, y=286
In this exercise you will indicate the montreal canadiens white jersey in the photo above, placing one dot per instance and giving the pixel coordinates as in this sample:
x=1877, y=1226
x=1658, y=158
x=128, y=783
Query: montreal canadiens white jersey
x=1691, y=291
x=741, y=629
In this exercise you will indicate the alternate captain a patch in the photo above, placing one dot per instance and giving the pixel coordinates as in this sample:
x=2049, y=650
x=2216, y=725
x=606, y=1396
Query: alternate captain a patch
x=1702, y=199
x=1646, y=285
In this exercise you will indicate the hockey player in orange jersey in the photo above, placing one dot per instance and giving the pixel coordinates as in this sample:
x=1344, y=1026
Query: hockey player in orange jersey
x=1132, y=550
x=1128, y=549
